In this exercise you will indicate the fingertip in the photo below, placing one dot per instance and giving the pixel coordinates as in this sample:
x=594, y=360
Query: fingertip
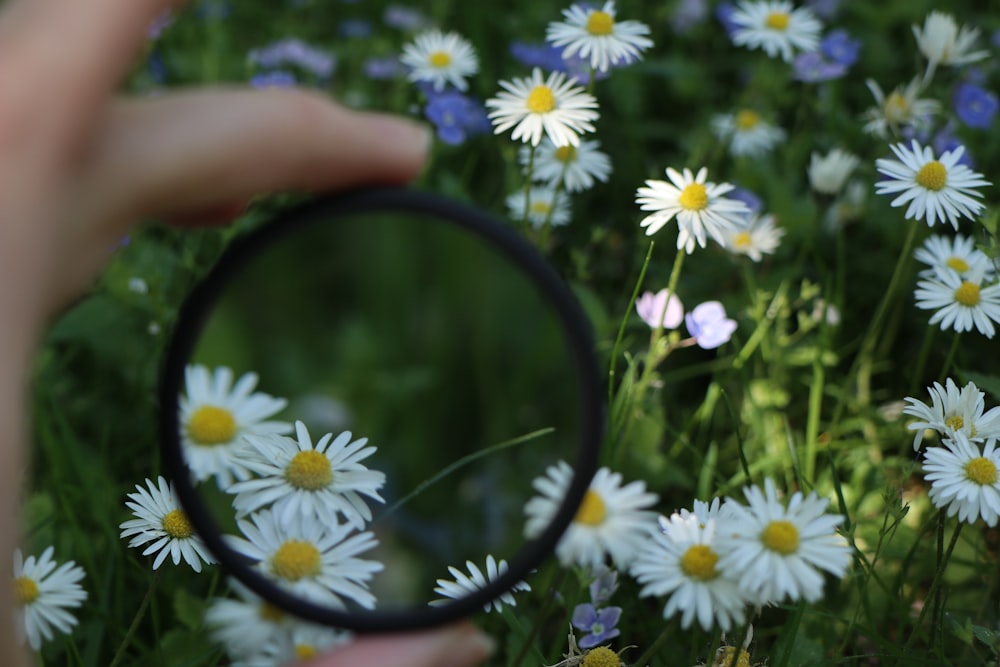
x=461, y=645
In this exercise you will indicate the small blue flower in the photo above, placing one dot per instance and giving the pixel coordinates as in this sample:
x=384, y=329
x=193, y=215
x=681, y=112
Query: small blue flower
x=456, y=116
x=709, y=326
x=812, y=68
x=945, y=140
x=294, y=52
x=385, y=67
x=974, y=106
x=724, y=13
x=752, y=201
x=545, y=56
x=273, y=79
x=404, y=18
x=604, y=585
x=841, y=48
x=599, y=623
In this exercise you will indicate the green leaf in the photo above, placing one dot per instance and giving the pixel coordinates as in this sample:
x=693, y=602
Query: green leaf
x=189, y=609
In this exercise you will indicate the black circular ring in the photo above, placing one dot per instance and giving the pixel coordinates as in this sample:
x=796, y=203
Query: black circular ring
x=501, y=237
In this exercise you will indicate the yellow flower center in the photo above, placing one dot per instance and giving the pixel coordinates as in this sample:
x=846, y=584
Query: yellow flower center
x=601, y=656
x=897, y=108
x=566, y=153
x=211, y=425
x=25, y=591
x=296, y=559
x=694, y=197
x=541, y=100
x=777, y=21
x=592, y=510
x=176, y=525
x=540, y=207
x=742, y=240
x=982, y=471
x=932, y=176
x=781, y=536
x=724, y=658
x=955, y=423
x=746, y=119
x=957, y=264
x=698, y=562
x=600, y=23
x=305, y=651
x=439, y=59
x=269, y=612
x=309, y=470
x=967, y=294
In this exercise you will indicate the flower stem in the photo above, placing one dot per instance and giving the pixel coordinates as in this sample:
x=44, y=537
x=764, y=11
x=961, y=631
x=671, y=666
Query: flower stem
x=143, y=606
x=932, y=592
x=654, y=647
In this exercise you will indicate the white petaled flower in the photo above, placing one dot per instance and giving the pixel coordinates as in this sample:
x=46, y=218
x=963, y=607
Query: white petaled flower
x=778, y=551
x=956, y=254
x=612, y=519
x=962, y=303
x=160, y=520
x=439, y=59
x=953, y=411
x=215, y=414
x=681, y=560
x=828, y=173
x=900, y=110
x=660, y=309
x=545, y=205
x=776, y=27
x=595, y=34
x=757, y=237
x=44, y=591
x=464, y=584
x=576, y=167
x=943, y=43
x=935, y=188
x=748, y=134
x=245, y=625
x=293, y=643
x=317, y=561
x=324, y=481
x=699, y=207
x=536, y=106
x=964, y=480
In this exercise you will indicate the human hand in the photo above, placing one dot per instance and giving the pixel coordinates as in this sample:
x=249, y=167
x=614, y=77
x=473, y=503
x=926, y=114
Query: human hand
x=78, y=166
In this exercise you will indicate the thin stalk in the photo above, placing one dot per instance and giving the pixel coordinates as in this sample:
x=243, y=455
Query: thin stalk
x=950, y=359
x=654, y=647
x=621, y=328
x=120, y=653
x=541, y=617
x=812, y=419
x=925, y=349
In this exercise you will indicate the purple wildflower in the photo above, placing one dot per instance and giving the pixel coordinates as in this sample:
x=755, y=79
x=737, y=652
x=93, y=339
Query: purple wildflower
x=599, y=623
x=752, y=201
x=159, y=24
x=946, y=140
x=404, y=18
x=545, y=56
x=604, y=585
x=273, y=79
x=709, y=326
x=381, y=68
x=294, y=52
x=812, y=68
x=689, y=14
x=724, y=13
x=657, y=308
x=841, y=48
x=974, y=106
x=456, y=116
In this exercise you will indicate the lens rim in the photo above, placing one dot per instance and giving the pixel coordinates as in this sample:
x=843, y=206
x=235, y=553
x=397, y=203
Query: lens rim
x=194, y=314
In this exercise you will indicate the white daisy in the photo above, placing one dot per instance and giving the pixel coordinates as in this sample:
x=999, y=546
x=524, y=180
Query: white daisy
x=757, y=237
x=244, y=626
x=321, y=481
x=297, y=642
x=43, y=594
x=594, y=33
x=545, y=205
x=775, y=27
x=747, y=133
x=828, y=173
x=953, y=411
x=900, y=110
x=964, y=480
x=534, y=106
x=936, y=188
x=962, y=303
x=314, y=560
x=778, y=551
x=681, y=560
x=439, y=59
x=464, y=584
x=956, y=254
x=576, y=167
x=611, y=519
x=698, y=206
x=160, y=520
x=215, y=415
x=942, y=42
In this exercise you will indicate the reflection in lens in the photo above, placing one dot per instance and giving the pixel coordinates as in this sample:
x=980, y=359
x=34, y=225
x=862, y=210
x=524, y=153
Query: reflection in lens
x=367, y=406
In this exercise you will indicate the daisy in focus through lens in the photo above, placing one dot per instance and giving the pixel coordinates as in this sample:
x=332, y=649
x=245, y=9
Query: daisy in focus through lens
x=596, y=34
x=43, y=592
x=464, y=584
x=553, y=106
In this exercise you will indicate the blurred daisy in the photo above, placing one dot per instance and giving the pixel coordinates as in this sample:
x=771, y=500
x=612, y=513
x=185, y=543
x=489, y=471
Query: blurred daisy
x=545, y=205
x=779, y=551
x=900, y=110
x=962, y=303
x=594, y=33
x=160, y=520
x=775, y=27
x=956, y=254
x=464, y=584
x=576, y=167
x=215, y=415
x=612, y=519
x=942, y=42
x=699, y=207
x=555, y=107
x=935, y=188
x=964, y=480
x=953, y=411
x=658, y=310
x=325, y=481
x=682, y=561
x=43, y=592
x=314, y=560
x=298, y=641
x=828, y=173
x=439, y=59
x=747, y=133
x=757, y=237
x=245, y=625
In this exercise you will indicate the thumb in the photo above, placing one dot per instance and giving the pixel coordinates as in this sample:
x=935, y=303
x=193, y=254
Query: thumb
x=459, y=645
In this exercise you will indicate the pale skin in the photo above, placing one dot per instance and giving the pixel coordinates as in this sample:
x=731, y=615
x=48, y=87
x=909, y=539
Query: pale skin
x=80, y=165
